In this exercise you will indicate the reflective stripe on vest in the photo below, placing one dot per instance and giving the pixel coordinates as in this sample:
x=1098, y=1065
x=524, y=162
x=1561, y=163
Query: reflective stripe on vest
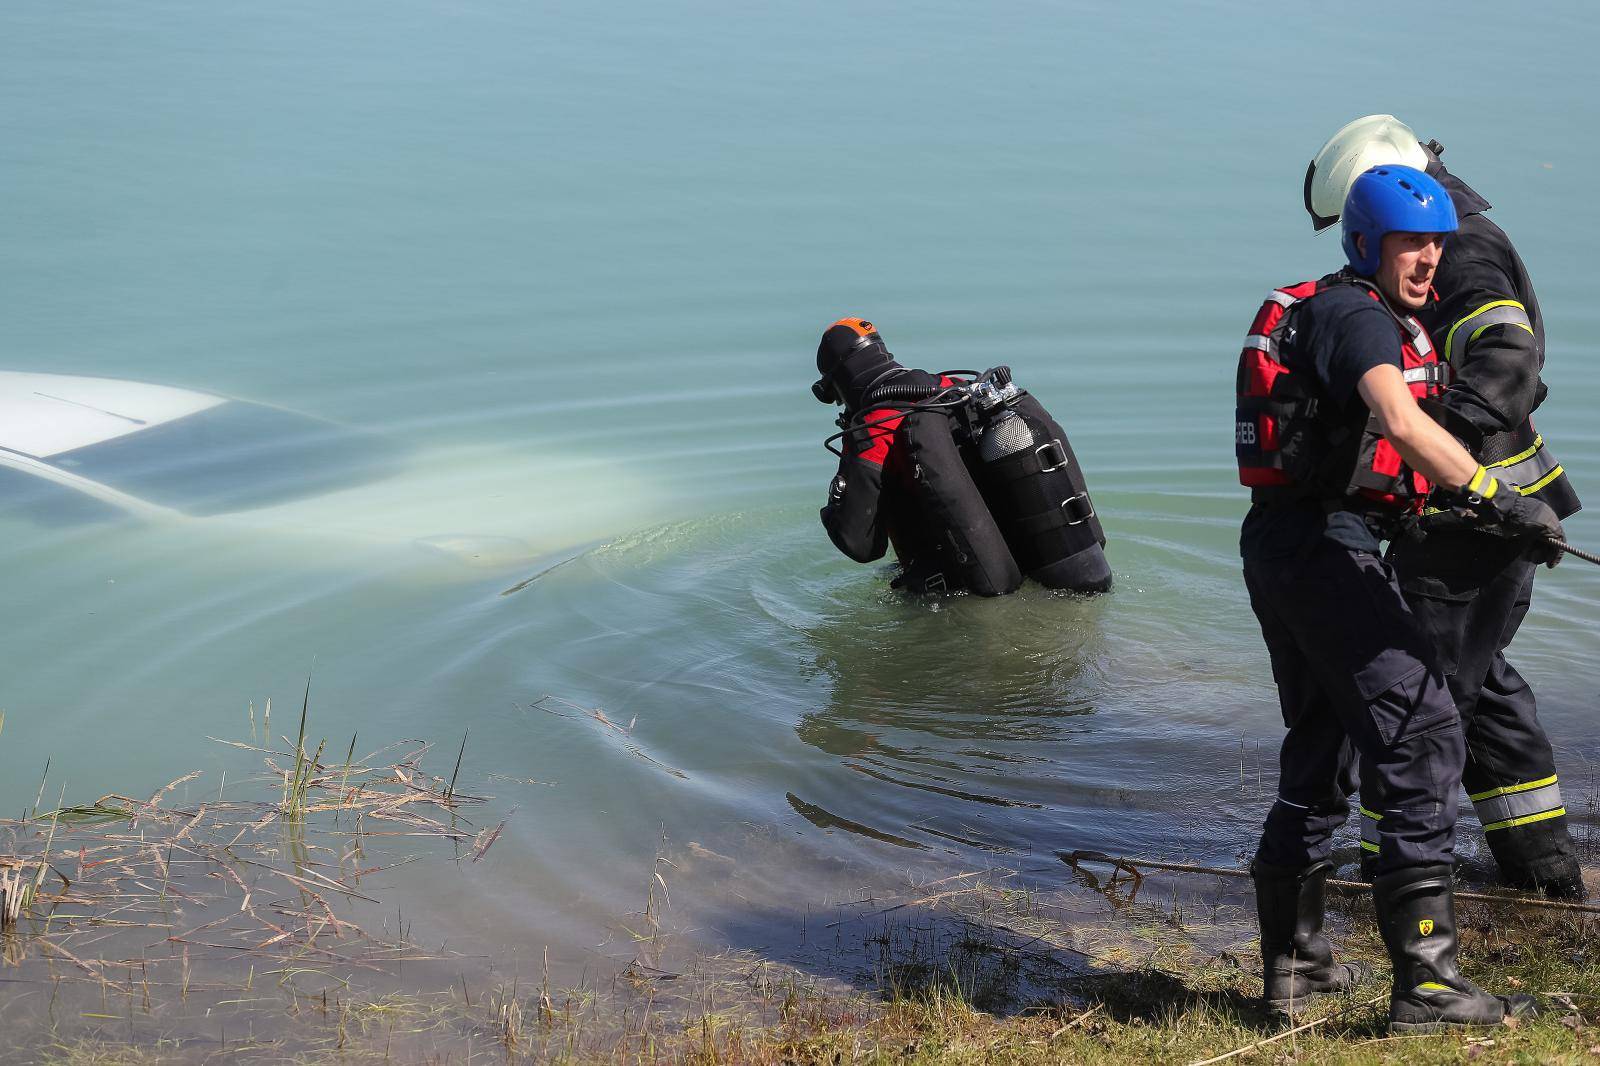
x=1496, y=313
x=1519, y=804
x=1419, y=336
x=1430, y=374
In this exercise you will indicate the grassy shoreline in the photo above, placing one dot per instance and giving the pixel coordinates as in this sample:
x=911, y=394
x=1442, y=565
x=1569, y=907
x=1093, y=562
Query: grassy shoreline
x=1191, y=1008
x=219, y=928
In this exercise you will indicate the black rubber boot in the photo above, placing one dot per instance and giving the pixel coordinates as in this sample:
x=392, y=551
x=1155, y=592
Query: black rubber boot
x=1296, y=958
x=1417, y=913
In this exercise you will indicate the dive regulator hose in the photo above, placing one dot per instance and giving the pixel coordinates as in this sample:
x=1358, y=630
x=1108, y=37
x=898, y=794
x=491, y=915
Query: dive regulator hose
x=906, y=398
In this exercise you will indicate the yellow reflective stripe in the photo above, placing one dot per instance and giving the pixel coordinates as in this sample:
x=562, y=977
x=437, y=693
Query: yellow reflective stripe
x=1435, y=986
x=1520, y=804
x=1450, y=337
x=1476, y=484
x=1528, y=490
x=1479, y=331
x=1509, y=790
x=1528, y=820
x=1369, y=828
x=1538, y=442
x=1494, y=485
x=1530, y=470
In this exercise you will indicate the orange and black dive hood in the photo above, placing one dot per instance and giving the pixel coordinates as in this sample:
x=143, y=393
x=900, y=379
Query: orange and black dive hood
x=851, y=358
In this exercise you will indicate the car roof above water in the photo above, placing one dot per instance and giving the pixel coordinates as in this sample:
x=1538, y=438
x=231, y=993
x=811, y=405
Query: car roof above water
x=42, y=415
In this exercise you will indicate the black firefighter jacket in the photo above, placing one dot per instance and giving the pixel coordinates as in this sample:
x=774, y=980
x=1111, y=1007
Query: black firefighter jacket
x=1486, y=325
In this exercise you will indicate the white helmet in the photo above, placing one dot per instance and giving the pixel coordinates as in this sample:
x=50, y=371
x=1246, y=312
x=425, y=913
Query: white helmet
x=1373, y=141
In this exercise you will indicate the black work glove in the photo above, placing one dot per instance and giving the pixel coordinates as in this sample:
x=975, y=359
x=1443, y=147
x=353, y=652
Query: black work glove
x=1526, y=517
x=1501, y=507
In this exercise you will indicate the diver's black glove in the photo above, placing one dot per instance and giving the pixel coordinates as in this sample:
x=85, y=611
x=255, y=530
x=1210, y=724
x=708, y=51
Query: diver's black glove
x=1501, y=507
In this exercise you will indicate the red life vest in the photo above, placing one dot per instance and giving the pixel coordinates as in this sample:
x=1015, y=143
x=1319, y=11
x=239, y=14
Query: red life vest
x=1288, y=448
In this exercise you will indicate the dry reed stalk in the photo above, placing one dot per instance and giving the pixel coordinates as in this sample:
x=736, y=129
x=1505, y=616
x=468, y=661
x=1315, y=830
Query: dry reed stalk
x=264, y=873
x=485, y=840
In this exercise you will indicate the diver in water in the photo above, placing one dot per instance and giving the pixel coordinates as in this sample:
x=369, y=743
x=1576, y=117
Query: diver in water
x=966, y=475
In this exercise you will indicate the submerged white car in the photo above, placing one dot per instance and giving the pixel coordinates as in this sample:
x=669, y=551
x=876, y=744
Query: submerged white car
x=81, y=449
x=72, y=448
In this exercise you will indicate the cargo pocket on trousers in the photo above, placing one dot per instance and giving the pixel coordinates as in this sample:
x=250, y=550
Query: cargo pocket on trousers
x=1379, y=635
x=1416, y=704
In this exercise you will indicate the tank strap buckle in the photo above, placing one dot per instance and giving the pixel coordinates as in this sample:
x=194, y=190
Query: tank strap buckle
x=1078, y=509
x=1052, y=455
x=933, y=583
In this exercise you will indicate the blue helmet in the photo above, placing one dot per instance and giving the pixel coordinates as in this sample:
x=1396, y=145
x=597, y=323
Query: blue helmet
x=1392, y=199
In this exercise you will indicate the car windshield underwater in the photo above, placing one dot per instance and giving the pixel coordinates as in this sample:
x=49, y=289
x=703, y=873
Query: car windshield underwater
x=235, y=457
x=225, y=456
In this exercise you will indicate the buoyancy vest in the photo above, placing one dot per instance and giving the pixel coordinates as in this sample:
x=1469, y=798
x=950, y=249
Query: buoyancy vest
x=952, y=540
x=1290, y=445
x=903, y=481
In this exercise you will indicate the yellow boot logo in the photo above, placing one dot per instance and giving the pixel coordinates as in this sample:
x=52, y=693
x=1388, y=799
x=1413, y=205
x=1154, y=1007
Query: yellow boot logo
x=1425, y=927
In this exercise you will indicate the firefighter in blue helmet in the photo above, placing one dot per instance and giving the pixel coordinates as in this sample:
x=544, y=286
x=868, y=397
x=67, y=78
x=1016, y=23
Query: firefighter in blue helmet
x=1471, y=589
x=1332, y=437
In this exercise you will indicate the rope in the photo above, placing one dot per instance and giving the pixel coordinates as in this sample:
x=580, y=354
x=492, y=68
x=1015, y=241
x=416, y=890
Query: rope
x=1588, y=557
x=1133, y=867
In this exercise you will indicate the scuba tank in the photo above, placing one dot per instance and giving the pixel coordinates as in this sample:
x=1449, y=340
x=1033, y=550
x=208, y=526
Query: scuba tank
x=1003, y=432
x=1035, y=489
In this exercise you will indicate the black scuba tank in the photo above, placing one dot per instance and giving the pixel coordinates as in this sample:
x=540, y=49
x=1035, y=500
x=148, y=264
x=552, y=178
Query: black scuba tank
x=1036, y=491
